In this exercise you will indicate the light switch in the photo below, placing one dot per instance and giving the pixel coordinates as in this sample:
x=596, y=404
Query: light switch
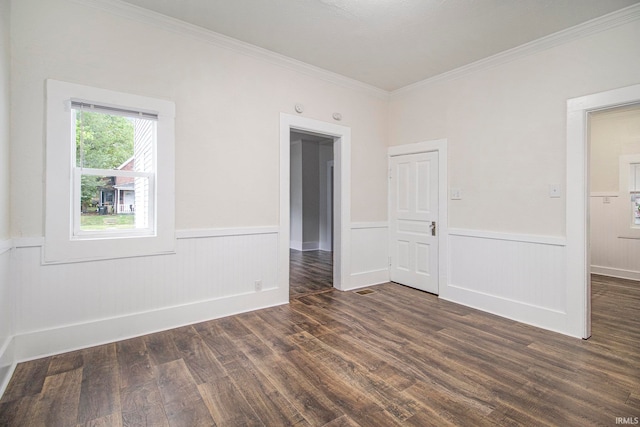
x=554, y=190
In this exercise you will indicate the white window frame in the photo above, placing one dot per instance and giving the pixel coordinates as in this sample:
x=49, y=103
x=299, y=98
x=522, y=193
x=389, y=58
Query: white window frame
x=635, y=192
x=63, y=243
x=628, y=228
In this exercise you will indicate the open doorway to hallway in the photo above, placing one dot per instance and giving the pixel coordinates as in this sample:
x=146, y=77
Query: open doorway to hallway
x=311, y=214
x=614, y=182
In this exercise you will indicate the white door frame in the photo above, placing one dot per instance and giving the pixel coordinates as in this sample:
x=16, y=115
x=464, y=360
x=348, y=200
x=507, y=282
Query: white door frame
x=577, y=220
x=439, y=145
x=342, y=197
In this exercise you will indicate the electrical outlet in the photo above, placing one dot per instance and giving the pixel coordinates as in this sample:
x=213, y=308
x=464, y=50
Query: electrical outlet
x=258, y=285
x=456, y=194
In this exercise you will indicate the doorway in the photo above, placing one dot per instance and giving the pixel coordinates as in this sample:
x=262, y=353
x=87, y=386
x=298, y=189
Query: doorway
x=614, y=186
x=578, y=256
x=413, y=220
x=341, y=236
x=418, y=215
x=311, y=214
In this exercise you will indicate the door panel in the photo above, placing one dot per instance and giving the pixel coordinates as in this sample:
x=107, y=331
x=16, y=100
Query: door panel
x=413, y=192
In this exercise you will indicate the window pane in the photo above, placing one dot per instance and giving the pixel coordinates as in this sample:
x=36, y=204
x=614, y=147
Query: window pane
x=636, y=210
x=105, y=141
x=113, y=203
x=635, y=177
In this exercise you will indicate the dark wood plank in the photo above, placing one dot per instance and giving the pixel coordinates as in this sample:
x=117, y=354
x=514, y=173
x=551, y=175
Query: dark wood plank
x=310, y=272
x=183, y=404
x=143, y=406
x=197, y=356
x=19, y=412
x=59, y=400
x=27, y=380
x=134, y=363
x=227, y=405
x=99, y=395
x=161, y=348
x=65, y=362
x=395, y=356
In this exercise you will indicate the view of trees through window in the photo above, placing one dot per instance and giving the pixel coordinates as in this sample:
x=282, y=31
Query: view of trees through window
x=105, y=143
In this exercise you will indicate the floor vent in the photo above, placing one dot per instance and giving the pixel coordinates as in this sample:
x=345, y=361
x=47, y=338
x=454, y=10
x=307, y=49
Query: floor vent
x=365, y=292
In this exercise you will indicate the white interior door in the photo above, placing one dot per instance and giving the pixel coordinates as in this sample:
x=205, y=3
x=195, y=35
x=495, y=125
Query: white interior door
x=413, y=225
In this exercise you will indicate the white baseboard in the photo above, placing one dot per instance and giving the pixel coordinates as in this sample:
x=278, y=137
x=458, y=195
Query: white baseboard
x=368, y=278
x=515, y=310
x=7, y=363
x=310, y=246
x=615, y=272
x=42, y=343
x=304, y=246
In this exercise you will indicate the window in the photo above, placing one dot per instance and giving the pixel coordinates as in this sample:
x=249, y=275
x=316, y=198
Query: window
x=109, y=174
x=114, y=172
x=634, y=190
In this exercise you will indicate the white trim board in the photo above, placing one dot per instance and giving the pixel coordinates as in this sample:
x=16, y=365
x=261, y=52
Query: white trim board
x=341, y=196
x=139, y=14
x=504, y=307
x=578, y=252
x=615, y=272
x=368, y=278
x=525, y=238
x=219, y=232
x=7, y=363
x=41, y=343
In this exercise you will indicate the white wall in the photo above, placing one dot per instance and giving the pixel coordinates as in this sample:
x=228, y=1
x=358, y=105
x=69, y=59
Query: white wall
x=6, y=305
x=295, y=196
x=506, y=131
x=612, y=134
x=310, y=195
x=326, y=155
x=228, y=105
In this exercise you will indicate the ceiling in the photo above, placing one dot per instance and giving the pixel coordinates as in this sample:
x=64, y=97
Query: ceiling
x=388, y=44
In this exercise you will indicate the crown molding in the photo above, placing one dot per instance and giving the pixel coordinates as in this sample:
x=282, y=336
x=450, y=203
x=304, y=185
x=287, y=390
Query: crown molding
x=129, y=11
x=594, y=26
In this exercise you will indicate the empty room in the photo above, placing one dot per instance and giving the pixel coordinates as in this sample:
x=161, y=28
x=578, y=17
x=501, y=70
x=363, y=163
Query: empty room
x=319, y=212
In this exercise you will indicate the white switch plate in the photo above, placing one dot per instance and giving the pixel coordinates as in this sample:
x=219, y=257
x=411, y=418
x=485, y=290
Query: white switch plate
x=456, y=194
x=554, y=190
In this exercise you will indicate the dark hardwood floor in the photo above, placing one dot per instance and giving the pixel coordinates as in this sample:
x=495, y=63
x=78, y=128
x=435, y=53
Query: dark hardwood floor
x=395, y=356
x=310, y=272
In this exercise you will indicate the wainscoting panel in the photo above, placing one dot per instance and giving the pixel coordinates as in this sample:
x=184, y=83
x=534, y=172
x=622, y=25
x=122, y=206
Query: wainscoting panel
x=369, y=254
x=612, y=254
x=69, y=306
x=518, y=277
